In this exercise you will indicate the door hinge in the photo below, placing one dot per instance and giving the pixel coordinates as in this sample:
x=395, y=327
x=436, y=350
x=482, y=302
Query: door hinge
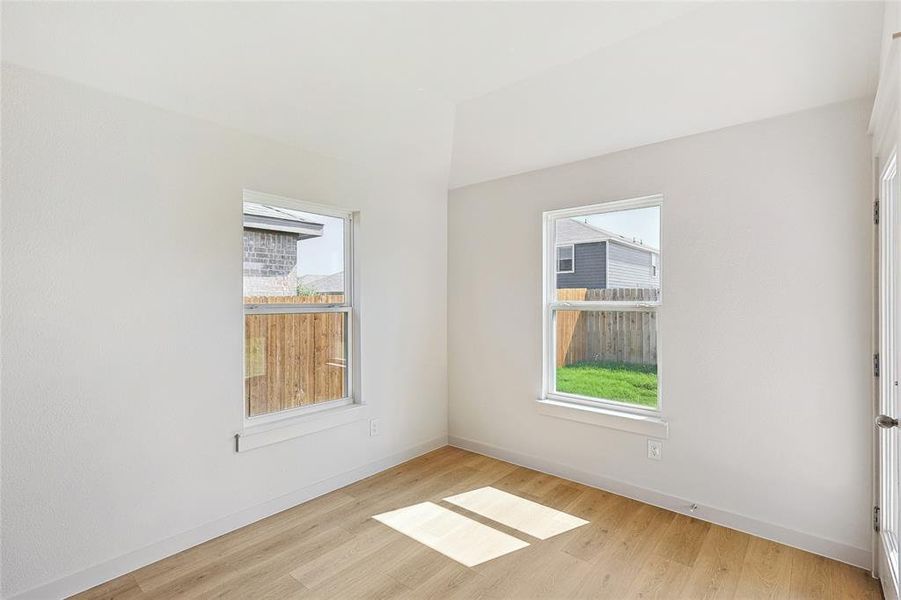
x=876, y=212
x=875, y=518
x=876, y=365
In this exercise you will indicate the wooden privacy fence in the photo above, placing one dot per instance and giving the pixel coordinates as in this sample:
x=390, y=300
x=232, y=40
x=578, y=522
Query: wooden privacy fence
x=607, y=336
x=293, y=359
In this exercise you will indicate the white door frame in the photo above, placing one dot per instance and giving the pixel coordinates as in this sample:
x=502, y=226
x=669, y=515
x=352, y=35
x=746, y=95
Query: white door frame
x=888, y=446
x=885, y=128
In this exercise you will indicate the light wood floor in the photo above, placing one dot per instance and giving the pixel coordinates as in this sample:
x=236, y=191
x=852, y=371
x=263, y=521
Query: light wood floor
x=330, y=547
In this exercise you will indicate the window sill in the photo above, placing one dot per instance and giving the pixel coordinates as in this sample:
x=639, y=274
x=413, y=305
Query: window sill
x=257, y=436
x=649, y=425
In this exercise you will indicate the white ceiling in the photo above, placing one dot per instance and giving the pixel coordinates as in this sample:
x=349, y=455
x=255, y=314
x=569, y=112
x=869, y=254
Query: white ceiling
x=725, y=64
x=489, y=88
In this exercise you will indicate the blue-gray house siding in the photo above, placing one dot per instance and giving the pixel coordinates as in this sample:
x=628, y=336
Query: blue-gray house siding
x=630, y=267
x=609, y=264
x=590, y=267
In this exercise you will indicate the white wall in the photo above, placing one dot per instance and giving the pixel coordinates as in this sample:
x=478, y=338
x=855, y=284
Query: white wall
x=122, y=329
x=766, y=324
x=891, y=23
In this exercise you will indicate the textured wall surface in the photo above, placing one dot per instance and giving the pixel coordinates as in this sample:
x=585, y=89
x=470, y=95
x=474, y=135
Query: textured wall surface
x=765, y=322
x=121, y=401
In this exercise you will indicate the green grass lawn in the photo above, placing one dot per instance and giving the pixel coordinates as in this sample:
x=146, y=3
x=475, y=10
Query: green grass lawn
x=635, y=384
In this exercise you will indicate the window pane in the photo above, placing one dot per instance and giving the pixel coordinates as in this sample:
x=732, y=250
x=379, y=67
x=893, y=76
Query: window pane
x=610, y=355
x=615, y=255
x=293, y=359
x=292, y=256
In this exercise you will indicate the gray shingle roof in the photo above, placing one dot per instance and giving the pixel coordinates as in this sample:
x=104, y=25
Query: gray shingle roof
x=276, y=212
x=263, y=216
x=574, y=231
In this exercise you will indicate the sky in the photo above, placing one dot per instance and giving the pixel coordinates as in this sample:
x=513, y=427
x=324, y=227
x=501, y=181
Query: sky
x=323, y=255
x=642, y=223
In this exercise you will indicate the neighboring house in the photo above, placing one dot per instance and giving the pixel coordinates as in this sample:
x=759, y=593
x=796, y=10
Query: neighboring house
x=323, y=284
x=271, y=249
x=591, y=257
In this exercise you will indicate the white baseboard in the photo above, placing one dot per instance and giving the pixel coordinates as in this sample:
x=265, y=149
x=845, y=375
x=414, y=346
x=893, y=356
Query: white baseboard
x=859, y=557
x=88, y=578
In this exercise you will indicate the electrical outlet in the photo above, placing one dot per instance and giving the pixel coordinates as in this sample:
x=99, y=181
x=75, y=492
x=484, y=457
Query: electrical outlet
x=655, y=449
x=373, y=427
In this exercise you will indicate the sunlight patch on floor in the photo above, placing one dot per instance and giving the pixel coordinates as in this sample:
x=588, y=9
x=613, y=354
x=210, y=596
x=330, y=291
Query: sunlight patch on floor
x=523, y=515
x=457, y=537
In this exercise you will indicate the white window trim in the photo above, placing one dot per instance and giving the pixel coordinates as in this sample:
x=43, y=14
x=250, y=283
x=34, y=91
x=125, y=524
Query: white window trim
x=572, y=259
x=608, y=413
x=653, y=426
x=272, y=428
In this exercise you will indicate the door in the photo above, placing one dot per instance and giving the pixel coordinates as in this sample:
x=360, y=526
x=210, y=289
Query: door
x=885, y=129
x=886, y=518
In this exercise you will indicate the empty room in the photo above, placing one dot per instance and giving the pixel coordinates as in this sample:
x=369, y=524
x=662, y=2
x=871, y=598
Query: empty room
x=450, y=300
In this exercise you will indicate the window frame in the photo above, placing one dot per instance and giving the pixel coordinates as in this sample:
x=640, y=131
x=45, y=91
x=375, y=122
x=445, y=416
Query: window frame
x=572, y=258
x=348, y=307
x=550, y=307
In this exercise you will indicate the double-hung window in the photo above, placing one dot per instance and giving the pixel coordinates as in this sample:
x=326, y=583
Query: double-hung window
x=298, y=307
x=601, y=345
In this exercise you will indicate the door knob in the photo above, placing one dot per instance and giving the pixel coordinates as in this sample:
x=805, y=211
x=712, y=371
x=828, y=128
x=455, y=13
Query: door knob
x=886, y=422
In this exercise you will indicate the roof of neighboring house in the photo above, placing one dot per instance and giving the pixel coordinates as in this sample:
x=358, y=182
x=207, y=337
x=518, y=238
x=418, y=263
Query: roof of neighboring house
x=276, y=218
x=324, y=284
x=573, y=231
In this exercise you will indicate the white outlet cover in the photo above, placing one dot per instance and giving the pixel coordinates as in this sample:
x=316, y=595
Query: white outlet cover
x=655, y=449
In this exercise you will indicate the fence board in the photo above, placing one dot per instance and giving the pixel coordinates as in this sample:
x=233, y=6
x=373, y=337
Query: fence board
x=615, y=336
x=293, y=360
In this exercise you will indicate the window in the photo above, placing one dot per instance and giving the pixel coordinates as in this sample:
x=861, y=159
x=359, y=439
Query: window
x=601, y=341
x=566, y=259
x=298, y=307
